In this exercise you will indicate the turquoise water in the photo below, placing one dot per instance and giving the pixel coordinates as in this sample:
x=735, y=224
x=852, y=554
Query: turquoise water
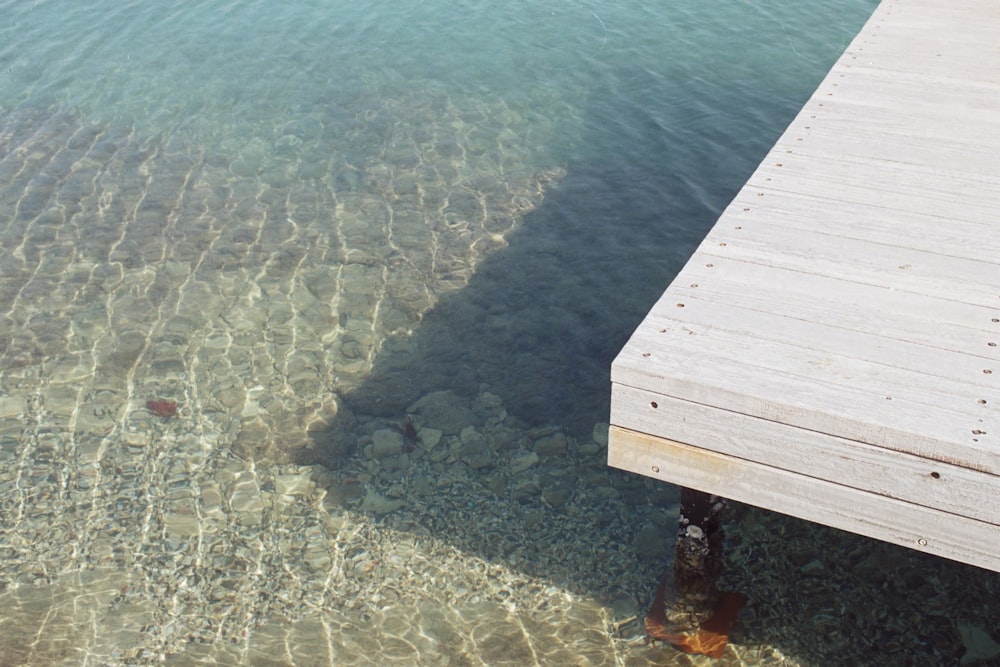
x=378, y=261
x=651, y=115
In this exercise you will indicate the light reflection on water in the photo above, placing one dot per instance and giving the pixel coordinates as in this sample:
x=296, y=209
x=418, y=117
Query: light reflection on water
x=381, y=261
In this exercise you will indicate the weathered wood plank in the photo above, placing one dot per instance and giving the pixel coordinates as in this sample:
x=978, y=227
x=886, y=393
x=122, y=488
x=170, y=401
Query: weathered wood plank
x=936, y=485
x=817, y=212
x=866, y=402
x=906, y=92
x=898, y=184
x=937, y=377
x=948, y=535
x=891, y=267
x=905, y=316
x=840, y=116
x=835, y=131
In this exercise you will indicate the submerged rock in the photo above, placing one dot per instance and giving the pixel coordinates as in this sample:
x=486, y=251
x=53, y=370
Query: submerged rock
x=551, y=445
x=521, y=462
x=376, y=503
x=444, y=411
x=475, y=452
x=386, y=443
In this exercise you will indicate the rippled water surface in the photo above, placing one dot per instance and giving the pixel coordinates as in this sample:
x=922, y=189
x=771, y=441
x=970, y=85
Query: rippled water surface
x=307, y=311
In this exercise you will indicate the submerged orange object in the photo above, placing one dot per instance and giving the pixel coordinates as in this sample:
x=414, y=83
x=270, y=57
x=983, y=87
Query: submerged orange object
x=710, y=638
x=713, y=635
x=165, y=409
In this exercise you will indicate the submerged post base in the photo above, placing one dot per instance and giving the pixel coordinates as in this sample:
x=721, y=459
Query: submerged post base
x=689, y=611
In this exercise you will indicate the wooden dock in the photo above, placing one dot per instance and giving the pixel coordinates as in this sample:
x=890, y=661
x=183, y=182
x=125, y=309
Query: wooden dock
x=832, y=349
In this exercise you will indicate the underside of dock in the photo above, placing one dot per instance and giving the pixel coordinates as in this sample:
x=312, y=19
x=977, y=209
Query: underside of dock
x=832, y=349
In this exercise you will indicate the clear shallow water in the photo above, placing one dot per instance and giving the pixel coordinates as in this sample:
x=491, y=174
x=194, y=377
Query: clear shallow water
x=381, y=260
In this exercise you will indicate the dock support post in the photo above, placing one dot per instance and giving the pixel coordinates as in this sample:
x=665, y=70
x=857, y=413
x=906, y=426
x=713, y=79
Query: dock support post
x=689, y=610
x=698, y=557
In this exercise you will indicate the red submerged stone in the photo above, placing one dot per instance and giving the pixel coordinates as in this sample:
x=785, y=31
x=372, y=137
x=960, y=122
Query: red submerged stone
x=162, y=408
